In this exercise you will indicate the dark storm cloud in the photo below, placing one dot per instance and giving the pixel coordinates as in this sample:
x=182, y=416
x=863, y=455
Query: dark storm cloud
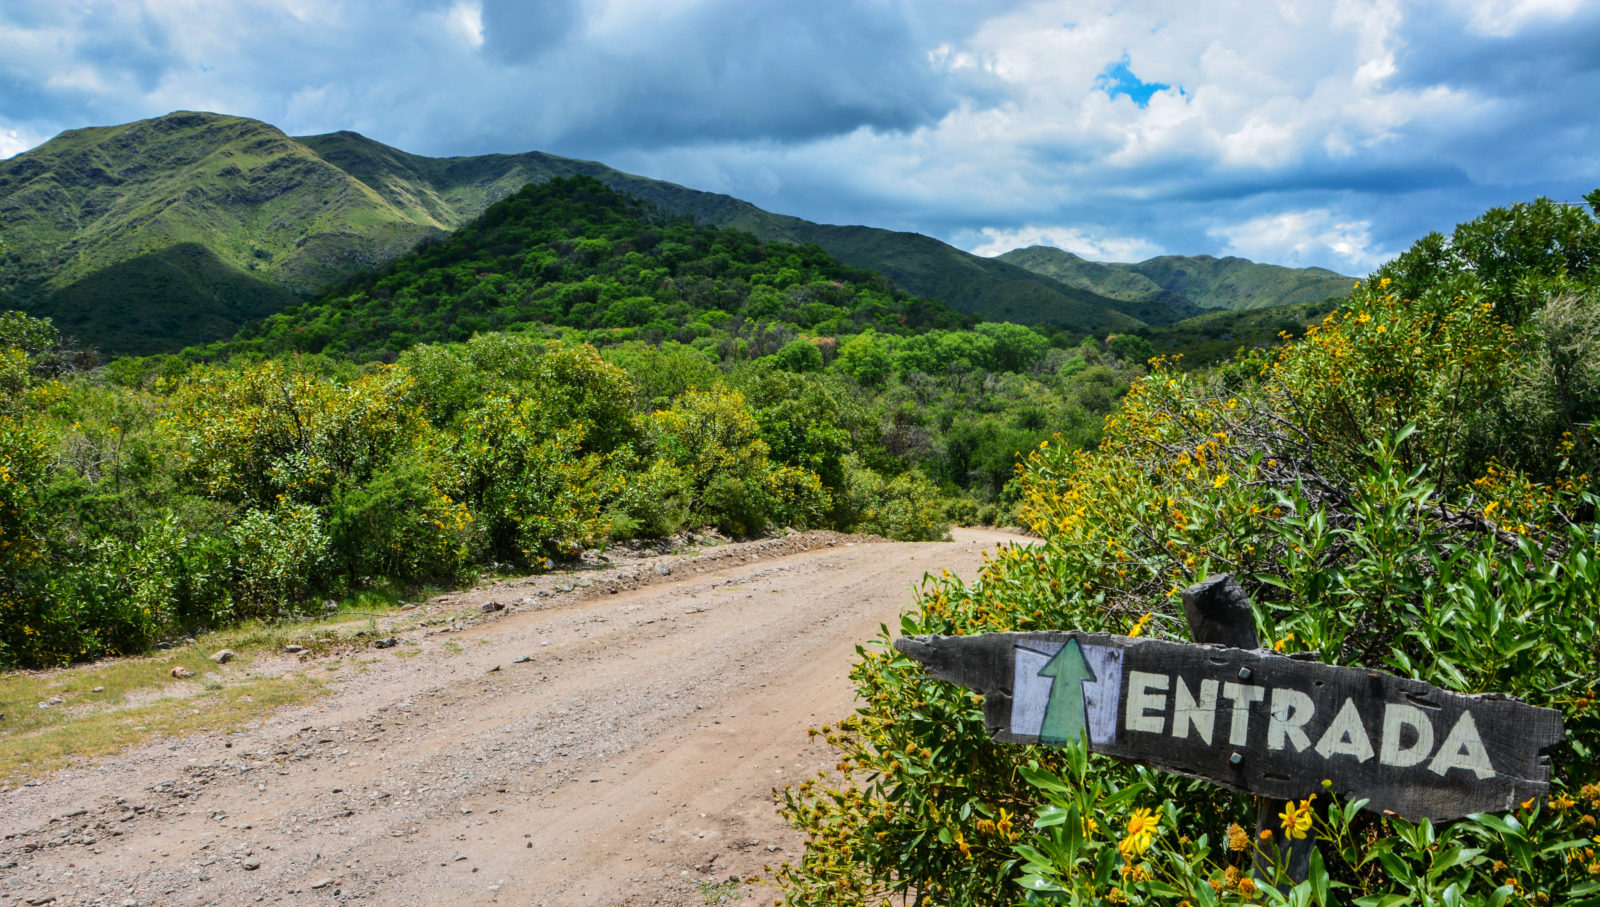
x=1330, y=132
x=516, y=32
x=733, y=70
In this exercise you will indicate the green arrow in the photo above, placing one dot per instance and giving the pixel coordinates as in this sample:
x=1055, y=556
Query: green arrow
x=1064, y=712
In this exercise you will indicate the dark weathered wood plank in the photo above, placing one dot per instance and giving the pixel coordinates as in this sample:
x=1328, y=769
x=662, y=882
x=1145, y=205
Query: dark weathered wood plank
x=1258, y=722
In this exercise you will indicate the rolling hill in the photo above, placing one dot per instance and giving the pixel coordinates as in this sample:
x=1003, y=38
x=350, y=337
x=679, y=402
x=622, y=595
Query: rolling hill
x=153, y=235
x=1198, y=280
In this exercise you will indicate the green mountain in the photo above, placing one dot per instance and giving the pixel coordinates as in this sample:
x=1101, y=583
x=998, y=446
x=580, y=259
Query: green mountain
x=572, y=253
x=1198, y=280
x=177, y=230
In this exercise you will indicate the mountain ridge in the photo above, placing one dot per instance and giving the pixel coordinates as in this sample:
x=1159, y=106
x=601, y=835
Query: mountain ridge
x=1228, y=282
x=248, y=220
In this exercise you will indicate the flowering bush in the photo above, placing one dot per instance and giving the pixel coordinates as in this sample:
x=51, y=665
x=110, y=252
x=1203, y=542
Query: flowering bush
x=1363, y=486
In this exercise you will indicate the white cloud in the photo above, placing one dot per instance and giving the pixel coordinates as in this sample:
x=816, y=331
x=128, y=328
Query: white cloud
x=467, y=20
x=1322, y=129
x=1300, y=238
x=1502, y=18
x=1078, y=242
x=16, y=141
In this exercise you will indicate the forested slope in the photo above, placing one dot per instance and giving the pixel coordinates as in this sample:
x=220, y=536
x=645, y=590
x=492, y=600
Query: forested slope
x=150, y=236
x=1409, y=487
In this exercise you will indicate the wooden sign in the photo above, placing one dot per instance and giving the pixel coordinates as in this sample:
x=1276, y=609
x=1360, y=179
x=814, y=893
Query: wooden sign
x=1255, y=721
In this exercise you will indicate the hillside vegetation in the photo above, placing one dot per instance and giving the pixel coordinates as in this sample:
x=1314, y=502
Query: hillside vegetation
x=154, y=235
x=575, y=260
x=151, y=236
x=1200, y=281
x=572, y=368
x=1411, y=486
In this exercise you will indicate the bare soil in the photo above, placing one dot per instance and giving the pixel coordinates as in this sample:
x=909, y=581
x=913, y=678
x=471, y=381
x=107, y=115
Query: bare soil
x=610, y=736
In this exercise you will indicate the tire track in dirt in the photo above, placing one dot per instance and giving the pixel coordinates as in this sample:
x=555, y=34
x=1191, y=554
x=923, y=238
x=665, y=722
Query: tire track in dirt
x=615, y=744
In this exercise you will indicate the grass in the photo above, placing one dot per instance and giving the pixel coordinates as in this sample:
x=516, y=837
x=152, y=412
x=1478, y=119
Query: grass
x=115, y=704
x=119, y=703
x=90, y=724
x=720, y=892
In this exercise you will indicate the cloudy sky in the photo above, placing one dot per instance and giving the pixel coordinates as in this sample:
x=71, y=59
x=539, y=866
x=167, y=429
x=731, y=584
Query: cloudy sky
x=1305, y=132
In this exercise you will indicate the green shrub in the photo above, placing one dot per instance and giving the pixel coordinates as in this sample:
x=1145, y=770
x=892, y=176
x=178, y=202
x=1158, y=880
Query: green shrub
x=284, y=562
x=528, y=481
x=906, y=507
x=1349, y=483
x=654, y=501
x=401, y=524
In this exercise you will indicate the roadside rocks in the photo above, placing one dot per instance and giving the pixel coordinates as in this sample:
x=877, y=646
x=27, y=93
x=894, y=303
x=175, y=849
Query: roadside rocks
x=223, y=657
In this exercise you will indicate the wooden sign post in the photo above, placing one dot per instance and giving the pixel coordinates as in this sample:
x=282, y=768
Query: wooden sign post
x=1228, y=712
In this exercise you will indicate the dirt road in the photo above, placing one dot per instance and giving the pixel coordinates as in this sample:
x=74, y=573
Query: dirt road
x=610, y=743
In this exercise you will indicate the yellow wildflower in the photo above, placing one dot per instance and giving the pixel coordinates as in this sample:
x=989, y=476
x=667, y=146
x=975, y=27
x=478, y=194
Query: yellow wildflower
x=1141, y=833
x=1141, y=623
x=1297, y=818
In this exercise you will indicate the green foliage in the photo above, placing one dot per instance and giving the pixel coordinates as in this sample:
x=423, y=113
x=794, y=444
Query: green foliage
x=661, y=373
x=401, y=524
x=572, y=253
x=528, y=481
x=284, y=560
x=31, y=629
x=713, y=440
x=1358, y=484
x=1198, y=281
x=907, y=507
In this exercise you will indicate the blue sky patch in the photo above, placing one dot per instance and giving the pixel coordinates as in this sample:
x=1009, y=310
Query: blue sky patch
x=1119, y=79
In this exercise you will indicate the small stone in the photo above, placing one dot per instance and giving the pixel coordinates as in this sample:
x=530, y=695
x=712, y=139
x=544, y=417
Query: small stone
x=386, y=643
x=36, y=902
x=181, y=672
x=251, y=864
x=493, y=670
x=491, y=607
x=321, y=883
x=294, y=650
x=222, y=657
x=663, y=569
x=98, y=690
x=522, y=659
